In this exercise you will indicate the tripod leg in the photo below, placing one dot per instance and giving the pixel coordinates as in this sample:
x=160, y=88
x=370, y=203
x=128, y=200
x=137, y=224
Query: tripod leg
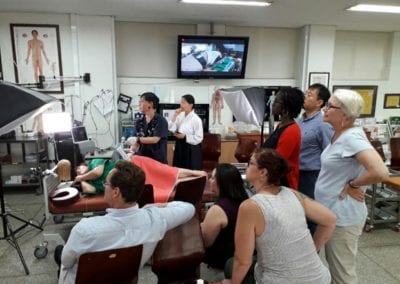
x=13, y=241
x=27, y=223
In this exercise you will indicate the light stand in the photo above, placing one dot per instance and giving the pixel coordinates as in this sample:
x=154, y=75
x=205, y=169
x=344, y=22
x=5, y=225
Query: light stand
x=9, y=233
x=18, y=105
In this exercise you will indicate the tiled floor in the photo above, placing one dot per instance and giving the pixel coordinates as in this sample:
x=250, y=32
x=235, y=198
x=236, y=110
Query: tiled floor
x=378, y=259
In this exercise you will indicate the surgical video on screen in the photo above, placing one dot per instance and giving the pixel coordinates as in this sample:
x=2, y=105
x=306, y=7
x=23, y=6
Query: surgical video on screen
x=211, y=57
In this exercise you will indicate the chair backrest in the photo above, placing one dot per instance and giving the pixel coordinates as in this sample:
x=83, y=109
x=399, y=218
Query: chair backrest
x=110, y=266
x=178, y=255
x=395, y=153
x=147, y=196
x=378, y=147
x=245, y=149
x=190, y=190
x=211, y=149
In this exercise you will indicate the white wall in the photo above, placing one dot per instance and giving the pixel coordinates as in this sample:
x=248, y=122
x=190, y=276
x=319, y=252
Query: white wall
x=148, y=50
x=275, y=57
x=272, y=52
x=368, y=58
x=96, y=53
x=147, y=61
x=29, y=18
x=87, y=46
x=362, y=55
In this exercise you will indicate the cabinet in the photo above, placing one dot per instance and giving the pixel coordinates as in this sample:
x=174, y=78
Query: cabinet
x=228, y=148
x=19, y=156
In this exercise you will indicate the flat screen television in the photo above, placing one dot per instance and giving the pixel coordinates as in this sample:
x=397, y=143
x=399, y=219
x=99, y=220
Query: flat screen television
x=212, y=57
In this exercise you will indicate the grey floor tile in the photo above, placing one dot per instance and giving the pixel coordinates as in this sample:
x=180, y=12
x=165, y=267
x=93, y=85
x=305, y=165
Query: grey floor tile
x=377, y=262
x=387, y=258
x=370, y=272
x=146, y=276
x=31, y=279
x=379, y=237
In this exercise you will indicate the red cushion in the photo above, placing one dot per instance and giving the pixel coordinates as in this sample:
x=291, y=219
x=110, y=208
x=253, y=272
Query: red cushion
x=83, y=204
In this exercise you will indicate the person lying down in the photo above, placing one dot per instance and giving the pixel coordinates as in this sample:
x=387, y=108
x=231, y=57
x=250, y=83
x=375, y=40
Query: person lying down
x=91, y=176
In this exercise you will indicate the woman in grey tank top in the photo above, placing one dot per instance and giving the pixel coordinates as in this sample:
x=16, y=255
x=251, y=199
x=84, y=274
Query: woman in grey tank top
x=273, y=222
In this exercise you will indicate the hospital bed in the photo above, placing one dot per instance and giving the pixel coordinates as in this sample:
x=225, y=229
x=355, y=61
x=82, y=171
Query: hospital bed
x=73, y=207
x=66, y=204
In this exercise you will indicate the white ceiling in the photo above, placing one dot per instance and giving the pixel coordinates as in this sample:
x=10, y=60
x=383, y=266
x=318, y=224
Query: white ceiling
x=282, y=13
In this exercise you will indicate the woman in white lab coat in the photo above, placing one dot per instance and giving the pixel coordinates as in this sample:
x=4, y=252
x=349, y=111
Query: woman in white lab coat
x=188, y=130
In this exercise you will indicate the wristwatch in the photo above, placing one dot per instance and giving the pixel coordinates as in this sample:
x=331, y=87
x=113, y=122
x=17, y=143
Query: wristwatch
x=350, y=183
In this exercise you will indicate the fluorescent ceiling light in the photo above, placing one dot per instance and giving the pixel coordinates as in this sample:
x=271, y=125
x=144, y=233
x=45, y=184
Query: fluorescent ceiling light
x=375, y=8
x=227, y=2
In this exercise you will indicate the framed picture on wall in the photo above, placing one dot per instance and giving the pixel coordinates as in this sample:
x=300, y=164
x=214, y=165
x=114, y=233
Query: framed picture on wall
x=368, y=93
x=392, y=101
x=1, y=69
x=36, y=52
x=318, y=77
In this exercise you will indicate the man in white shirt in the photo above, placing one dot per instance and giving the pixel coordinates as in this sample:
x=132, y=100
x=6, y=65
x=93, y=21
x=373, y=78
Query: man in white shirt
x=124, y=224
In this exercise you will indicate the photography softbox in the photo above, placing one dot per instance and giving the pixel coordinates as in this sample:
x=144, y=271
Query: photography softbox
x=246, y=104
x=18, y=104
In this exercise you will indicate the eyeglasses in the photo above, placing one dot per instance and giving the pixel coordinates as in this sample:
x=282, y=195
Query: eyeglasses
x=329, y=105
x=107, y=184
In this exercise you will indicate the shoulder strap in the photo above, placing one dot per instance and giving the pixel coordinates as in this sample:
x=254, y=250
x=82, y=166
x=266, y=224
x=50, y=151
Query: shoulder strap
x=301, y=197
x=273, y=139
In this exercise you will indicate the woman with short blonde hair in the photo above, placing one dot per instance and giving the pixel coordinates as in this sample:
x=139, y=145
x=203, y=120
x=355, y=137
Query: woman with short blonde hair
x=348, y=164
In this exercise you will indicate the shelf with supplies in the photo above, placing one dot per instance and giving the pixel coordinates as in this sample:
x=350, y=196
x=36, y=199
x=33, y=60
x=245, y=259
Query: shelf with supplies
x=383, y=202
x=21, y=160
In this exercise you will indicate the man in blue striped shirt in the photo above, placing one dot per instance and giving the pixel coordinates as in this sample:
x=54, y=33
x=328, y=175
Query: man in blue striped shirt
x=315, y=136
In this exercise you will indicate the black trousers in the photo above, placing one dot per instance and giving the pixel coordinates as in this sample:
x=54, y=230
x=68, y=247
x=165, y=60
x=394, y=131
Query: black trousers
x=307, y=182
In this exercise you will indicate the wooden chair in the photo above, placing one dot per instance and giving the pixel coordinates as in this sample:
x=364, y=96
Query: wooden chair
x=147, y=196
x=190, y=190
x=110, y=266
x=395, y=153
x=211, y=149
x=178, y=255
x=245, y=149
x=378, y=147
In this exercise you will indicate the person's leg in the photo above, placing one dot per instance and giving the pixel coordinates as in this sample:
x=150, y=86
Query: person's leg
x=40, y=68
x=214, y=113
x=219, y=113
x=35, y=69
x=341, y=251
x=87, y=188
x=307, y=180
x=184, y=173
